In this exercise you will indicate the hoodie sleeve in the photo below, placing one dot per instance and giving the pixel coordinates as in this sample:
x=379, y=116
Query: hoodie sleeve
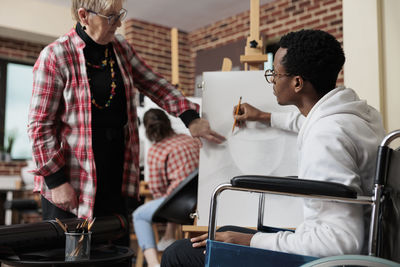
x=339, y=230
x=290, y=121
x=327, y=154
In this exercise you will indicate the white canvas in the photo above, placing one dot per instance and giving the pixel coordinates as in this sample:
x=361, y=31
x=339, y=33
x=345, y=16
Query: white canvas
x=257, y=149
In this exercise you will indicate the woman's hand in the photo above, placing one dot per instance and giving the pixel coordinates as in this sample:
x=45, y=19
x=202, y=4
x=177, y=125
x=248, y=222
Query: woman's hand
x=65, y=196
x=201, y=128
x=227, y=237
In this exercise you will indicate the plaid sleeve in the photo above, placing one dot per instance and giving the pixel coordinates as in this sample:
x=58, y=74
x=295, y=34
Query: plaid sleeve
x=182, y=161
x=155, y=161
x=156, y=87
x=42, y=126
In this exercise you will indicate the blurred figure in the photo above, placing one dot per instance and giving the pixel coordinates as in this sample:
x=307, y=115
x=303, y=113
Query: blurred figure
x=170, y=159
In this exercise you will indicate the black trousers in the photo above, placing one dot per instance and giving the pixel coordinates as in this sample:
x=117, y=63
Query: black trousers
x=182, y=254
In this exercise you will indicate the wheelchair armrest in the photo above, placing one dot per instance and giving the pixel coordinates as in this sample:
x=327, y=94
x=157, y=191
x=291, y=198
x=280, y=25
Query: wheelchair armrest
x=294, y=186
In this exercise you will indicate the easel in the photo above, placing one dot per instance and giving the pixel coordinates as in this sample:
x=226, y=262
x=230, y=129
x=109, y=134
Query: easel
x=253, y=52
x=144, y=190
x=174, y=57
x=252, y=59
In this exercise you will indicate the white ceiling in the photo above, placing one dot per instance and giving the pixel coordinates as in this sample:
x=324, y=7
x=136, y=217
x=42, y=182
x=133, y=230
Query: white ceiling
x=186, y=15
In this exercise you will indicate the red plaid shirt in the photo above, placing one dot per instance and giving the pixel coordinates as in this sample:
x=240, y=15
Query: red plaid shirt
x=60, y=115
x=171, y=161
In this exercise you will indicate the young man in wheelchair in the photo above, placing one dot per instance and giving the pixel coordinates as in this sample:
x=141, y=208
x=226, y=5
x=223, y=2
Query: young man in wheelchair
x=338, y=135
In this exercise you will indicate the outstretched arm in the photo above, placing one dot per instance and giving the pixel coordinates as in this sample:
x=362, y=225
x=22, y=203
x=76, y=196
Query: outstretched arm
x=290, y=121
x=201, y=128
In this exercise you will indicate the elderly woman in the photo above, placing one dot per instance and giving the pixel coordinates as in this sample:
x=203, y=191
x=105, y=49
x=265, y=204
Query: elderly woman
x=82, y=118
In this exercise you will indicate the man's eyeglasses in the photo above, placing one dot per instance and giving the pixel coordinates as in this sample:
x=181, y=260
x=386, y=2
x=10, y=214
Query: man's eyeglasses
x=112, y=19
x=271, y=75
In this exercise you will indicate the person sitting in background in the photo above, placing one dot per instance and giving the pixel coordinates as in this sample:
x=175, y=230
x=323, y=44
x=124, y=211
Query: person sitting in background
x=170, y=159
x=338, y=135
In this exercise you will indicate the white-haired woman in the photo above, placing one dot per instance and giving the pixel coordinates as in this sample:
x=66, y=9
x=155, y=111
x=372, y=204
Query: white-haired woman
x=82, y=118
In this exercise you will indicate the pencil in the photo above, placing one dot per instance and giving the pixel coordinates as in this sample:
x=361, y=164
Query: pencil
x=237, y=112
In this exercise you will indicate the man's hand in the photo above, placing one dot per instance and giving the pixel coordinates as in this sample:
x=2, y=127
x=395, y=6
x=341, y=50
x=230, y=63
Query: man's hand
x=249, y=113
x=227, y=237
x=65, y=196
x=201, y=128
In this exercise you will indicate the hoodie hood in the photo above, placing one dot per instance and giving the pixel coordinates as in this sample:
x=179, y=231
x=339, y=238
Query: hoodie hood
x=343, y=101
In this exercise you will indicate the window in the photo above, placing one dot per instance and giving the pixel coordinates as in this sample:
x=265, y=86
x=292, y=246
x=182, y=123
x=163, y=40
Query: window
x=15, y=92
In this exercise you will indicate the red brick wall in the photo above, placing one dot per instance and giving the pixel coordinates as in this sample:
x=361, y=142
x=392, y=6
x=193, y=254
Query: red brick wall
x=19, y=50
x=153, y=44
x=276, y=18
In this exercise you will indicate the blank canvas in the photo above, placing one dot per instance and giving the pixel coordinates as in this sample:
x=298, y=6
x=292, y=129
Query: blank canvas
x=257, y=149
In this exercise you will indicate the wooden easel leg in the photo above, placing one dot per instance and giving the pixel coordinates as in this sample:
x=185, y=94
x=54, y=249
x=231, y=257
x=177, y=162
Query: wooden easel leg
x=139, y=258
x=178, y=234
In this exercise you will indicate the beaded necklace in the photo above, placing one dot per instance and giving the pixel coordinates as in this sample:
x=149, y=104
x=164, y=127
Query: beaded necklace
x=107, y=61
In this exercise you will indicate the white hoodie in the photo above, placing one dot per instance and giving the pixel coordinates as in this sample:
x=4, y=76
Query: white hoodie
x=337, y=142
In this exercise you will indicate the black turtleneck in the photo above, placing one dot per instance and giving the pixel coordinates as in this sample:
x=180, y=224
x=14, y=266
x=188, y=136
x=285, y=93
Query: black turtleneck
x=100, y=84
x=107, y=126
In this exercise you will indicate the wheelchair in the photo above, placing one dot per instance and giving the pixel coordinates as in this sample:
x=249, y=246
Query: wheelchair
x=384, y=234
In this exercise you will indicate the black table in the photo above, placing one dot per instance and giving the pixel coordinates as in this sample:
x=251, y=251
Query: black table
x=104, y=255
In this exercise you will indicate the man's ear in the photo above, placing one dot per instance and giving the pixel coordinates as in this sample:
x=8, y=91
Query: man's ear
x=83, y=16
x=298, y=83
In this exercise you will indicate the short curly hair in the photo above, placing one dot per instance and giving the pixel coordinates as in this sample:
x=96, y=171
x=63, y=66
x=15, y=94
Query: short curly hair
x=314, y=55
x=157, y=125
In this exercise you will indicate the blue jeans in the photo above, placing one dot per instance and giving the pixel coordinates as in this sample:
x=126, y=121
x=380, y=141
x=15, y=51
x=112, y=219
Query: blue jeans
x=181, y=253
x=143, y=224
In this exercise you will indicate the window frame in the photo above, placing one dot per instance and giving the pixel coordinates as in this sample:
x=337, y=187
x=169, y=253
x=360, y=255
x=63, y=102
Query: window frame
x=3, y=93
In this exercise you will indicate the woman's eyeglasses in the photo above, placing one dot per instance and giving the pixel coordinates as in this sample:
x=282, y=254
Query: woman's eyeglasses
x=112, y=19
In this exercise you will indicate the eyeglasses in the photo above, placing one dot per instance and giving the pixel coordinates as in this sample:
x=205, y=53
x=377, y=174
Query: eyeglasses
x=112, y=19
x=270, y=75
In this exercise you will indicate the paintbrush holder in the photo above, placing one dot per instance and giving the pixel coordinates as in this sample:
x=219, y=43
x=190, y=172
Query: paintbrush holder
x=77, y=246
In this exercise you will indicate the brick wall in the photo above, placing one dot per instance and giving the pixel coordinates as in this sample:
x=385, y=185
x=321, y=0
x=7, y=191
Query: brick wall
x=17, y=50
x=153, y=44
x=276, y=18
